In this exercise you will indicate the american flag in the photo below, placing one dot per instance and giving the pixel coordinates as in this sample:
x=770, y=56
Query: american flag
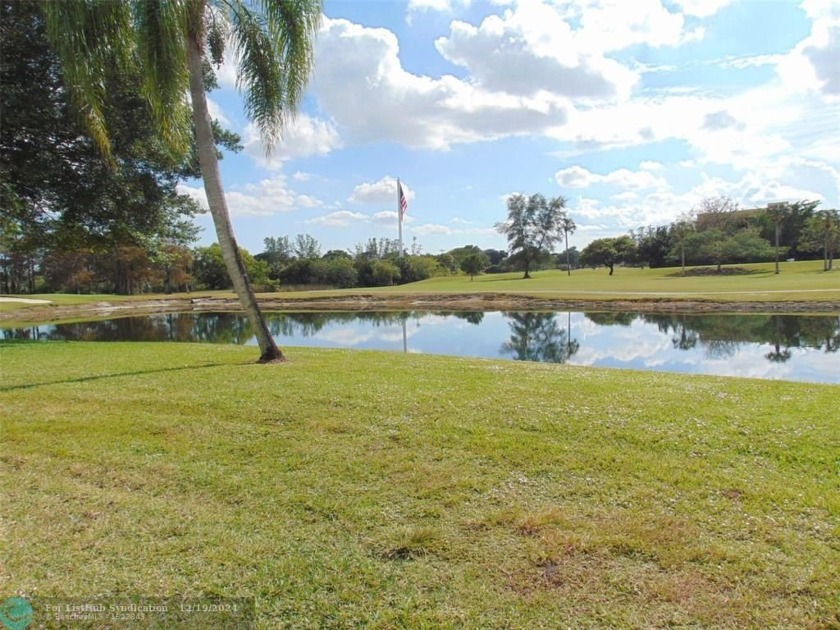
x=403, y=200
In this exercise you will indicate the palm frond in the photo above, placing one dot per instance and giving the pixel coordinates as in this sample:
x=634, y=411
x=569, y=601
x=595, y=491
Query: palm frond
x=274, y=54
x=259, y=73
x=293, y=24
x=160, y=27
x=91, y=38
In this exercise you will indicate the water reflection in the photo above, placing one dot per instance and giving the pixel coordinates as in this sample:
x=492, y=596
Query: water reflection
x=722, y=335
x=765, y=346
x=538, y=337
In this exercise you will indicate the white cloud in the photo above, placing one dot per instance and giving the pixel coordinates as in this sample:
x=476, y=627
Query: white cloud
x=383, y=191
x=610, y=25
x=524, y=68
x=389, y=217
x=701, y=8
x=627, y=195
x=308, y=201
x=345, y=218
x=361, y=83
x=432, y=228
x=304, y=136
x=651, y=165
x=525, y=55
x=579, y=177
x=436, y=5
x=264, y=198
x=748, y=61
x=217, y=113
x=341, y=218
x=812, y=65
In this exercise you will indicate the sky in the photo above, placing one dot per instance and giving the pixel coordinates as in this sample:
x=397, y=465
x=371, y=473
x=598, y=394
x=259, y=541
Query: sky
x=632, y=110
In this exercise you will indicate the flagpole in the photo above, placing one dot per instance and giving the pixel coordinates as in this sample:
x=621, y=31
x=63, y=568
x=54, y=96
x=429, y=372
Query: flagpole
x=399, y=215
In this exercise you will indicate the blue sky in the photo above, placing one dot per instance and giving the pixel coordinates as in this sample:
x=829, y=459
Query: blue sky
x=632, y=110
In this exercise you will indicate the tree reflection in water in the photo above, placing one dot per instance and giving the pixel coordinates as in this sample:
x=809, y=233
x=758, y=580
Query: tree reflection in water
x=538, y=337
x=722, y=335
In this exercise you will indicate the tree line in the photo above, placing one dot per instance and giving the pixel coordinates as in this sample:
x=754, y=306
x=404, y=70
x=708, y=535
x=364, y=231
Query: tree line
x=719, y=232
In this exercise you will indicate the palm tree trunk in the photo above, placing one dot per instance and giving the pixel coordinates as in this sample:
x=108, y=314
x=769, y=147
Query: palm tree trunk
x=568, y=260
x=210, y=173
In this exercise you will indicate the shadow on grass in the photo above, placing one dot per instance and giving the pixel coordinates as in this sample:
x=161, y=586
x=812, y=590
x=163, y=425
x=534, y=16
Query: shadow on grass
x=714, y=272
x=97, y=377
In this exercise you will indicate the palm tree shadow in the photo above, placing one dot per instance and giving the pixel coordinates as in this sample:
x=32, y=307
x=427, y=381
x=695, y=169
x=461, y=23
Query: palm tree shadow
x=85, y=379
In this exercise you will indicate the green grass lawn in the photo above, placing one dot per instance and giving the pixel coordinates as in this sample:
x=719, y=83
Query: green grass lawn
x=797, y=281
x=363, y=489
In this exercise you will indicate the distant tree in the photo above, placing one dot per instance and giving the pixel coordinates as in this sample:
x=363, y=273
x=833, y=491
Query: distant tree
x=791, y=225
x=716, y=247
x=302, y=271
x=459, y=253
x=704, y=246
x=384, y=272
x=495, y=256
x=653, y=244
x=777, y=212
x=306, y=247
x=447, y=262
x=715, y=213
x=278, y=251
x=416, y=268
x=337, y=253
x=210, y=271
x=533, y=226
x=747, y=246
x=679, y=233
x=341, y=272
x=822, y=231
x=568, y=257
x=608, y=252
x=416, y=247
x=175, y=260
x=568, y=226
x=377, y=249
x=474, y=264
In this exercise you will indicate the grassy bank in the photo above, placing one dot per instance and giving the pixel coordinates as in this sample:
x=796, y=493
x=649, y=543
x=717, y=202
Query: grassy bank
x=349, y=489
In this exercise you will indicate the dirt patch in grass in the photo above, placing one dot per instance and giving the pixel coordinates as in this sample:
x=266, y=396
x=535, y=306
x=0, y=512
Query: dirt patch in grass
x=419, y=302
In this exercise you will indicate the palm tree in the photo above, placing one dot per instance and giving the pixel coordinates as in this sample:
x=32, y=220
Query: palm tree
x=171, y=42
x=777, y=213
x=568, y=225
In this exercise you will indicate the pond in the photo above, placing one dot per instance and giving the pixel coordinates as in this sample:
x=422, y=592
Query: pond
x=789, y=347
